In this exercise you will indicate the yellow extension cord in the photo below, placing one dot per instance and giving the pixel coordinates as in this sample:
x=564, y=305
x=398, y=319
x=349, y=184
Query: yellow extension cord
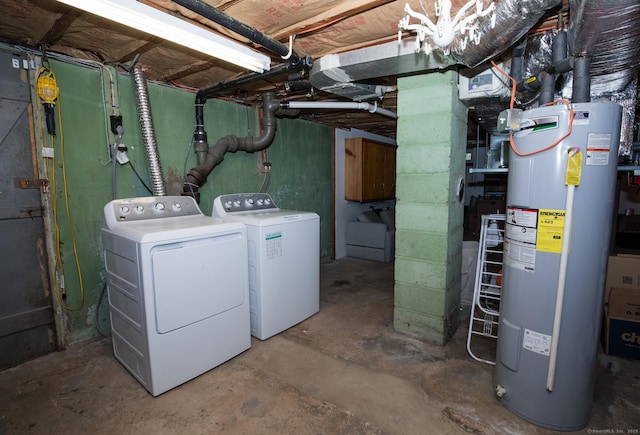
x=51, y=174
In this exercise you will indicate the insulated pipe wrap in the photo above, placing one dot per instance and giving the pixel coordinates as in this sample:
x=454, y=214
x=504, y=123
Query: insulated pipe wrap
x=148, y=134
x=581, y=80
x=606, y=31
x=514, y=18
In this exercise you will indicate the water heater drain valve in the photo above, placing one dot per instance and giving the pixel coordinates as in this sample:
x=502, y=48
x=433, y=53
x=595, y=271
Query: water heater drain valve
x=500, y=391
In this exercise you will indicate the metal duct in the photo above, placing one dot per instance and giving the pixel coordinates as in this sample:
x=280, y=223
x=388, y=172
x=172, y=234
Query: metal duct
x=609, y=32
x=627, y=99
x=337, y=73
x=514, y=18
x=148, y=134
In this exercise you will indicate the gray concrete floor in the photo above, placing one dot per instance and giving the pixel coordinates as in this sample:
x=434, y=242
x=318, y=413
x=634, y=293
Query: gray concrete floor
x=343, y=371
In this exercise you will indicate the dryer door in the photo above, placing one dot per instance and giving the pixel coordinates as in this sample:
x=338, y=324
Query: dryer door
x=194, y=280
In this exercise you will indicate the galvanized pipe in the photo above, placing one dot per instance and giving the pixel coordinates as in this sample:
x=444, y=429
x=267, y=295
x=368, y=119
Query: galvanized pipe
x=148, y=133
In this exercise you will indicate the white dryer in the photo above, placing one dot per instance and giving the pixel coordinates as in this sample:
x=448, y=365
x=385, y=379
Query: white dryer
x=178, y=289
x=284, y=260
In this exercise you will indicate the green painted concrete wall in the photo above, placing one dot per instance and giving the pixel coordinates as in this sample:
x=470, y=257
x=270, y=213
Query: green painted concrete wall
x=429, y=217
x=301, y=178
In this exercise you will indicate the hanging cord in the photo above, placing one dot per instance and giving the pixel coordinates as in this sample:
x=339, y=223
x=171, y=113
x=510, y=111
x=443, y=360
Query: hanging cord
x=137, y=174
x=96, y=320
x=511, y=104
x=69, y=220
x=59, y=285
x=264, y=159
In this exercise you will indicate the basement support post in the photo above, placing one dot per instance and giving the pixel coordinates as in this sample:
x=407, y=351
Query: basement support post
x=431, y=139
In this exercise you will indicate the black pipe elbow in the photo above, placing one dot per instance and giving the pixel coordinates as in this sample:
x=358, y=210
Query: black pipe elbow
x=210, y=157
x=270, y=105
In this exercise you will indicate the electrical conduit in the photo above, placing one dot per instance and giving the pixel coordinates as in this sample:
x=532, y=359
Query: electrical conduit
x=574, y=168
x=372, y=108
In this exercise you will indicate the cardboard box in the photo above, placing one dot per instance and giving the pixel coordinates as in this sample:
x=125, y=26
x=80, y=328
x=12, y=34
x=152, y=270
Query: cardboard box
x=621, y=328
x=623, y=271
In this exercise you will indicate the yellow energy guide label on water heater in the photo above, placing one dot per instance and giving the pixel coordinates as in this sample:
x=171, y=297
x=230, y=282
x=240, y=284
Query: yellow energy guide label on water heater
x=550, y=230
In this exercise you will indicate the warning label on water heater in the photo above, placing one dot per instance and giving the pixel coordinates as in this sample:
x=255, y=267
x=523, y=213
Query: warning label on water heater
x=521, y=228
x=598, y=147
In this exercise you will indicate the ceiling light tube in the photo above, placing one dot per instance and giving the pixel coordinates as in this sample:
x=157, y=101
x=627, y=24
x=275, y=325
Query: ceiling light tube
x=150, y=20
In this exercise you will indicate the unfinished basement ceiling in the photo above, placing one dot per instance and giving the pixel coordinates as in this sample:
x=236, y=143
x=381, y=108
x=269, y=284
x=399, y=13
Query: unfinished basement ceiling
x=320, y=28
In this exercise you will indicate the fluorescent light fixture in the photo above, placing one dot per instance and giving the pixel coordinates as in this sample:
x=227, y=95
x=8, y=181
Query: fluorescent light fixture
x=150, y=20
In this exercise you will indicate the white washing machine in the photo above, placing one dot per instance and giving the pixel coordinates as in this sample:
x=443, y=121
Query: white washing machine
x=284, y=260
x=178, y=289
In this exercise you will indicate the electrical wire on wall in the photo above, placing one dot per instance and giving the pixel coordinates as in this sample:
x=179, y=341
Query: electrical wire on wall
x=185, y=171
x=112, y=122
x=111, y=112
x=266, y=168
x=48, y=92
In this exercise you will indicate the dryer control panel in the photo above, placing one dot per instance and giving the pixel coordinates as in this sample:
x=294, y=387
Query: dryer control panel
x=152, y=207
x=233, y=203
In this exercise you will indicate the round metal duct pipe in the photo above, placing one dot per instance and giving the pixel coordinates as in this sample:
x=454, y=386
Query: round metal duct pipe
x=148, y=133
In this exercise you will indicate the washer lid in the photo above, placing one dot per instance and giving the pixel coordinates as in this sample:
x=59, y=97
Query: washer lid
x=271, y=217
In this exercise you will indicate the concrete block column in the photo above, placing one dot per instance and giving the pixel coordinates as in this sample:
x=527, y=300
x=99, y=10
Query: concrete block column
x=431, y=151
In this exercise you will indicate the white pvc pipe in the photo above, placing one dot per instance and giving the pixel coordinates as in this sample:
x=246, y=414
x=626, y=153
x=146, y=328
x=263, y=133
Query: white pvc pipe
x=373, y=108
x=562, y=278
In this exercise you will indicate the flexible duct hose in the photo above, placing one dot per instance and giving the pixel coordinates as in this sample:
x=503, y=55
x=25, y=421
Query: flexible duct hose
x=148, y=133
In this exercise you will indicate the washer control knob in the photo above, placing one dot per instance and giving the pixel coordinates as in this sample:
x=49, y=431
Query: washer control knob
x=267, y=201
x=249, y=202
x=260, y=201
x=124, y=210
x=177, y=206
x=139, y=209
x=158, y=207
x=236, y=203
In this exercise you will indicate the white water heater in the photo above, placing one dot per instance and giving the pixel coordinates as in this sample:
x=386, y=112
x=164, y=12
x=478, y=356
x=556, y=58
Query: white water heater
x=551, y=303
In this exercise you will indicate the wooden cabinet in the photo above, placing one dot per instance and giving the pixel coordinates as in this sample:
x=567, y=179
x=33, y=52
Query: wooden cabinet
x=370, y=170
